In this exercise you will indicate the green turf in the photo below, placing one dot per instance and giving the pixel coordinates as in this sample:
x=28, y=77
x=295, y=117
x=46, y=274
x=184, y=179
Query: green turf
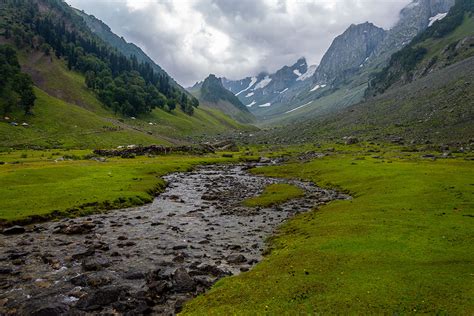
x=36, y=183
x=402, y=245
x=275, y=194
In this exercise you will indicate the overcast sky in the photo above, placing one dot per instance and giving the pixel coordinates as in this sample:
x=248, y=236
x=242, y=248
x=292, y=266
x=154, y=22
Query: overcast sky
x=235, y=38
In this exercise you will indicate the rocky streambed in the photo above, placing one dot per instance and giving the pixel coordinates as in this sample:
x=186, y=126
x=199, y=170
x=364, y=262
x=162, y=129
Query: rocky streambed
x=148, y=259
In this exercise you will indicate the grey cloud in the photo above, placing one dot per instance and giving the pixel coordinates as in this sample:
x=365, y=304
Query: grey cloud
x=192, y=38
x=246, y=10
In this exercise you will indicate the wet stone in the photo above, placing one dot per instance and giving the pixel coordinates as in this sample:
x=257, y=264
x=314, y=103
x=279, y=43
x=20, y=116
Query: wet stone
x=5, y=270
x=102, y=297
x=95, y=264
x=179, y=247
x=134, y=275
x=79, y=255
x=45, y=309
x=95, y=279
x=182, y=281
x=236, y=258
x=14, y=230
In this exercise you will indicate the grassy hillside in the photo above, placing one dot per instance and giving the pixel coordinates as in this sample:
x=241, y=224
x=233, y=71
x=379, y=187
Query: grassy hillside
x=68, y=114
x=437, y=107
x=230, y=110
x=402, y=245
x=325, y=104
x=56, y=123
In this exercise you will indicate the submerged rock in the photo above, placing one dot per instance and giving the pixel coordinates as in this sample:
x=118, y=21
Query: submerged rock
x=182, y=281
x=14, y=230
x=102, y=297
x=236, y=258
x=74, y=229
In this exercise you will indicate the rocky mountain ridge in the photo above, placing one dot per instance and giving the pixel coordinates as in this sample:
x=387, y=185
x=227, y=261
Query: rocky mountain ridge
x=348, y=53
x=265, y=89
x=212, y=93
x=353, y=56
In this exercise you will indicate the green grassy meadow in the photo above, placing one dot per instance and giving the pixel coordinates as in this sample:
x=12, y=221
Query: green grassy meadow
x=402, y=245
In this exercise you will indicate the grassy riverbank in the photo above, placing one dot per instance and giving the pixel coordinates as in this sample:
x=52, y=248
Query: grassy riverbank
x=40, y=185
x=403, y=244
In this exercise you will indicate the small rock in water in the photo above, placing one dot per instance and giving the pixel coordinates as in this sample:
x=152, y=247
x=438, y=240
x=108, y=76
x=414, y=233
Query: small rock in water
x=134, y=275
x=180, y=247
x=211, y=270
x=236, y=258
x=94, y=279
x=80, y=255
x=76, y=229
x=14, y=230
x=182, y=281
x=102, y=297
x=45, y=309
x=95, y=264
x=6, y=270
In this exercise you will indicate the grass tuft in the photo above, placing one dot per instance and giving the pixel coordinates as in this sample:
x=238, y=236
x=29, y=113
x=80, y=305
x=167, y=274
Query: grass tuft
x=275, y=194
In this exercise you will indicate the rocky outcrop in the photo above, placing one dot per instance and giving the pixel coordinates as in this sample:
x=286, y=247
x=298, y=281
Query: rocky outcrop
x=414, y=18
x=348, y=53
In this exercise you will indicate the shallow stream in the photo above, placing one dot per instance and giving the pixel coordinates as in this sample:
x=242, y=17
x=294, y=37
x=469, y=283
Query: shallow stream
x=148, y=259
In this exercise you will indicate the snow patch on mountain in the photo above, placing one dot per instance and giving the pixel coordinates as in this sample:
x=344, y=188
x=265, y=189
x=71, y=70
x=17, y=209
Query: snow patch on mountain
x=283, y=91
x=265, y=105
x=308, y=74
x=299, y=107
x=249, y=95
x=297, y=72
x=437, y=17
x=262, y=84
x=316, y=87
x=253, y=80
x=251, y=104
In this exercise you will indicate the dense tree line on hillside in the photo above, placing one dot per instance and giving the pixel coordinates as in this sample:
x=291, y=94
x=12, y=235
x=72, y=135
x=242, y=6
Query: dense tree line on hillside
x=16, y=88
x=121, y=82
x=403, y=62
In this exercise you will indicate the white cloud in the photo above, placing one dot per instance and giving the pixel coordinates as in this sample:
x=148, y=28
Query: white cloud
x=192, y=38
